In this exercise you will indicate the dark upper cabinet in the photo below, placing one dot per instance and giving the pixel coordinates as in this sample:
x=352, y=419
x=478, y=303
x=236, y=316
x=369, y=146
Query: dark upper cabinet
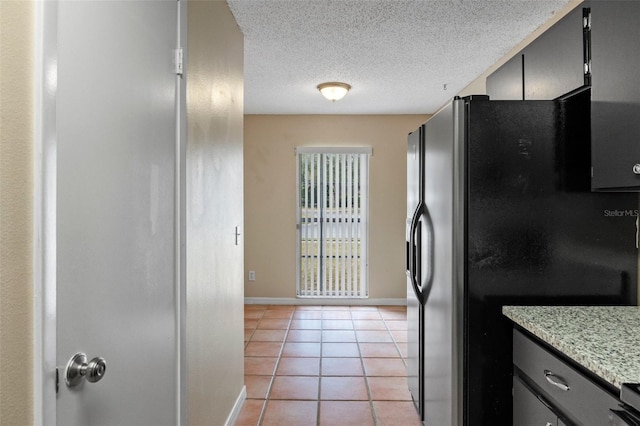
x=554, y=62
x=551, y=66
x=505, y=83
x=615, y=96
x=603, y=35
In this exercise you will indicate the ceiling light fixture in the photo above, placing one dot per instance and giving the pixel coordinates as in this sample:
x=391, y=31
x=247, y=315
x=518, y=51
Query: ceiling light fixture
x=333, y=90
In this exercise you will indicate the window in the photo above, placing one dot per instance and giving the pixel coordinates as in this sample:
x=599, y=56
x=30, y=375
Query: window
x=333, y=221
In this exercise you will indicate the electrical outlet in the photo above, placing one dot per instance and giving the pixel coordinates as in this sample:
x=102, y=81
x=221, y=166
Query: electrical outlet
x=252, y=275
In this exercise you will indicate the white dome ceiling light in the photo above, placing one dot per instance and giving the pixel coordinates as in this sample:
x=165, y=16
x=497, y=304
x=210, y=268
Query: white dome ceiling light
x=334, y=91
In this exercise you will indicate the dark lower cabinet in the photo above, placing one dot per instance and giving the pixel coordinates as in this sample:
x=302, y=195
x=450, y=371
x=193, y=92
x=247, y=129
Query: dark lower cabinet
x=529, y=409
x=549, y=391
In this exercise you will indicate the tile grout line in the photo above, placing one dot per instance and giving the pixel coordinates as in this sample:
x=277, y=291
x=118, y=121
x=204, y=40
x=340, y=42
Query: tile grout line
x=275, y=368
x=264, y=405
x=320, y=367
x=366, y=376
x=395, y=342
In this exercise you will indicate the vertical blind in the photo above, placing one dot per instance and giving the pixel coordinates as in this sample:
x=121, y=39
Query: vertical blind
x=332, y=222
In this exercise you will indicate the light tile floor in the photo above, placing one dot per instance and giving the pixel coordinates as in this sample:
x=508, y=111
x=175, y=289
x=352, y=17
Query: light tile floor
x=326, y=365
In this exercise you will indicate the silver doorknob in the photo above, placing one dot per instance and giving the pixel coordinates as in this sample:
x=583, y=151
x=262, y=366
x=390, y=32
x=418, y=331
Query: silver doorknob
x=78, y=369
x=636, y=169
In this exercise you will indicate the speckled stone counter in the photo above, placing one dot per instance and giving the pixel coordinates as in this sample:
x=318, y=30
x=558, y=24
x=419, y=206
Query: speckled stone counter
x=603, y=339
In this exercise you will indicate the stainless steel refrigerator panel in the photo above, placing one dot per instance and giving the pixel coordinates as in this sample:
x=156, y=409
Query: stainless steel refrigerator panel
x=413, y=172
x=414, y=359
x=414, y=308
x=438, y=308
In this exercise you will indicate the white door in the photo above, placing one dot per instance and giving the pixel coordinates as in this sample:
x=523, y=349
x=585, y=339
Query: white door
x=116, y=220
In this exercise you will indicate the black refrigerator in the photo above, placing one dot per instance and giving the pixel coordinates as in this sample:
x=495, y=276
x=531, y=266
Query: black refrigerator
x=500, y=212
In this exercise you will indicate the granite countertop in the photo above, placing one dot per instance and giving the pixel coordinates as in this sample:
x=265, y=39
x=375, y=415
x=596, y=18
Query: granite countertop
x=603, y=339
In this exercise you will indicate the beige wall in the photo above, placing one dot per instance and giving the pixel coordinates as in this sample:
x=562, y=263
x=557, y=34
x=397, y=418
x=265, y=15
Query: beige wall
x=16, y=192
x=270, y=195
x=215, y=304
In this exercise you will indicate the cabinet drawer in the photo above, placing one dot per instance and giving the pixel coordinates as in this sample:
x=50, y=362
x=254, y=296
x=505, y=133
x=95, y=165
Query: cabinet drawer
x=528, y=410
x=582, y=399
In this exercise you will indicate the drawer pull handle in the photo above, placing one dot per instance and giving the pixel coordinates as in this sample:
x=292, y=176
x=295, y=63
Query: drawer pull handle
x=554, y=380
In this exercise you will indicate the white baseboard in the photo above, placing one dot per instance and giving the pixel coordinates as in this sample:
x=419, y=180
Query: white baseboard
x=323, y=301
x=233, y=416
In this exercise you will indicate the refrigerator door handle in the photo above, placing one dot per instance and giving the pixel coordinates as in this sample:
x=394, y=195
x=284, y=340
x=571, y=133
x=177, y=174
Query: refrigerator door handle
x=421, y=278
x=409, y=249
x=415, y=255
x=425, y=283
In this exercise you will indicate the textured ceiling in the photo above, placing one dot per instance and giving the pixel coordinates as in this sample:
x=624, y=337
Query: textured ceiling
x=398, y=55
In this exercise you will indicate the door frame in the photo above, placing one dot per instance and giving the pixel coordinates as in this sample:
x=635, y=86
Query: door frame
x=44, y=217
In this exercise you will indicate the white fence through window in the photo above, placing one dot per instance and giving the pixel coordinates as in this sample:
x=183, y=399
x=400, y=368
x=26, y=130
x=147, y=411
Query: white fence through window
x=333, y=189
